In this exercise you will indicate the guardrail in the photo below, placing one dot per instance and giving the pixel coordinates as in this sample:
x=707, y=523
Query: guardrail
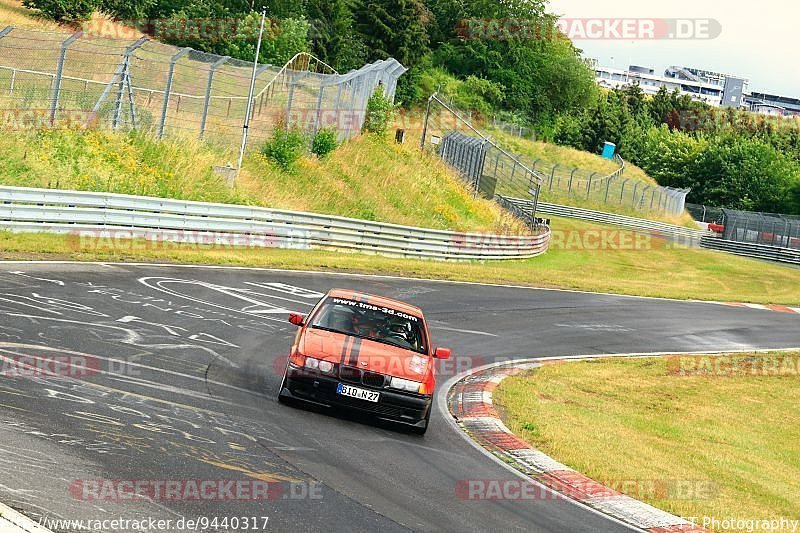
x=679, y=233
x=758, y=251
x=119, y=216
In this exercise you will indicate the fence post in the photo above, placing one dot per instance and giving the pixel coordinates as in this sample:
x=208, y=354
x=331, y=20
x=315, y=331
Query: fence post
x=168, y=88
x=336, y=106
x=608, y=185
x=59, y=72
x=652, y=197
x=552, y=175
x=633, y=196
x=319, y=108
x=589, y=184
x=571, y=175
x=119, y=72
x=353, y=108
x=5, y=31
x=207, y=101
x=622, y=190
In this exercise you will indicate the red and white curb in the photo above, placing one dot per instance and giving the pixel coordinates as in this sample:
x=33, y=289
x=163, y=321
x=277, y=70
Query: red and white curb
x=776, y=308
x=470, y=403
x=13, y=522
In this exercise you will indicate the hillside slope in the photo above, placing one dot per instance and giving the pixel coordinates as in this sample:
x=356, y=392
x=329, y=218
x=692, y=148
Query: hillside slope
x=365, y=178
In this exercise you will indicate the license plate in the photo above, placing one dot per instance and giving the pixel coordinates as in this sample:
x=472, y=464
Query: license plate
x=355, y=392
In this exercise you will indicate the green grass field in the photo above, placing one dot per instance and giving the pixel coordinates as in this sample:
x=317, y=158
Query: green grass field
x=741, y=433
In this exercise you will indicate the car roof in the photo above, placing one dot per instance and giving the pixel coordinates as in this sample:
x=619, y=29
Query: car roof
x=376, y=300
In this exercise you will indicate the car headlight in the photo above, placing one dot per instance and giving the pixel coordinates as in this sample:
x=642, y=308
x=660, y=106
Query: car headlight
x=405, y=384
x=326, y=367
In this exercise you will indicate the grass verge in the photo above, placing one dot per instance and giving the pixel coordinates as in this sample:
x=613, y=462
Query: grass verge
x=575, y=262
x=741, y=433
x=366, y=178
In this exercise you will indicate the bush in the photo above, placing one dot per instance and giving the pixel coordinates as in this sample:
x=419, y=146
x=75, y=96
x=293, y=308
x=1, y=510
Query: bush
x=286, y=146
x=324, y=142
x=63, y=10
x=379, y=112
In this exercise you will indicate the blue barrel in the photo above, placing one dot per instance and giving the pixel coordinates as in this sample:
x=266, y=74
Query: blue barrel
x=608, y=150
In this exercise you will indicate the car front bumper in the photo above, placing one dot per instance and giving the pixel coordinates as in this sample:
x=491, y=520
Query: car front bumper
x=320, y=389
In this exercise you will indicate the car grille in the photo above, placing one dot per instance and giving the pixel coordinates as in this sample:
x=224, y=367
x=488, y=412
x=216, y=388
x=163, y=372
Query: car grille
x=372, y=379
x=356, y=375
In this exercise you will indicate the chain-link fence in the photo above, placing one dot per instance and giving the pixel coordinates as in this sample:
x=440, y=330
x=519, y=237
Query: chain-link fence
x=512, y=175
x=524, y=132
x=762, y=228
x=51, y=80
x=704, y=213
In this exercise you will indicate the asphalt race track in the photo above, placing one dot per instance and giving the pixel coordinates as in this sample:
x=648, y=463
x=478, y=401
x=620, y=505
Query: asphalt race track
x=188, y=363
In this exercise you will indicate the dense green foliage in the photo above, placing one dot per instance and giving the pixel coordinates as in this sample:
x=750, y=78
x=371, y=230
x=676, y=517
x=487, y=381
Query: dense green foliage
x=324, y=142
x=285, y=147
x=380, y=111
x=727, y=158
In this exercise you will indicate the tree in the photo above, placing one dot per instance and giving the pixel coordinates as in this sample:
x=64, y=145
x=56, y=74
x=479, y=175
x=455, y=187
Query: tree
x=660, y=105
x=333, y=36
x=394, y=28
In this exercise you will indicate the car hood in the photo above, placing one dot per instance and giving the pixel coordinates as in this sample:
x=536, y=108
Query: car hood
x=364, y=354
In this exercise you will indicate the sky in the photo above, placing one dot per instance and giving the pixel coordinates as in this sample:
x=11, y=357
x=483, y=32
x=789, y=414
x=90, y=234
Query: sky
x=758, y=40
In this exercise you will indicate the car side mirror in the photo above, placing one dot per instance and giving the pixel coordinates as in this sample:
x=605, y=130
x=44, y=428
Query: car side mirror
x=296, y=318
x=442, y=353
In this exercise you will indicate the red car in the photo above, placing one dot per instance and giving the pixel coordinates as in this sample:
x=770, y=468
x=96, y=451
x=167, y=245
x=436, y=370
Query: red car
x=367, y=353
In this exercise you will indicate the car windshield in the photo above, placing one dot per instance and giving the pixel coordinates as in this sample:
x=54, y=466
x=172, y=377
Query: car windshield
x=374, y=322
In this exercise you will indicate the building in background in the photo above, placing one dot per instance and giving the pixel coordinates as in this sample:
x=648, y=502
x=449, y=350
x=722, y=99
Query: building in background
x=713, y=88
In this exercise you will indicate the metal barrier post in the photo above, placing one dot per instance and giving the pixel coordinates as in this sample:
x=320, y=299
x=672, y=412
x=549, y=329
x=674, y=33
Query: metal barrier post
x=589, y=185
x=622, y=190
x=207, y=100
x=118, y=73
x=608, y=185
x=552, y=175
x=59, y=72
x=572, y=174
x=168, y=89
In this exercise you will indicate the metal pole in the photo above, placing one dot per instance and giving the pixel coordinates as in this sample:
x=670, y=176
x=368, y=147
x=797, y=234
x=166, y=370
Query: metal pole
x=59, y=73
x=118, y=99
x=608, y=185
x=425, y=121
x=130, y=97
x=250, y=95
x=319, y=108
x=168, y=89
x=117, y=73
x=571, y=175
x=589, y=185
x=207, y=101
x=535, y=204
